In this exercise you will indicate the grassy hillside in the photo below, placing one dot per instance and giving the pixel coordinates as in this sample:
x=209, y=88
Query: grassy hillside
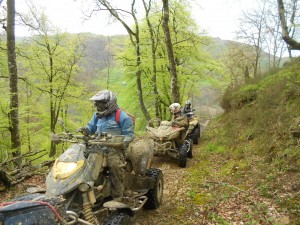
x=253, y=144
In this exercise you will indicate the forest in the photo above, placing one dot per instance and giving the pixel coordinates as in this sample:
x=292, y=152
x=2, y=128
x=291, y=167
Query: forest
x=246, y=92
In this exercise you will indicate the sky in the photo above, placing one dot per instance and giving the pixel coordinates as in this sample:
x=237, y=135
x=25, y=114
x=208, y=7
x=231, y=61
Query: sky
x=218, y=17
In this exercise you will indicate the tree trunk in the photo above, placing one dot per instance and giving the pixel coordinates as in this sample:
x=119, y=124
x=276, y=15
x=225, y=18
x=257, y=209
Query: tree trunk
x=153, y=51
x=13, y=81
x=136, y=44
x=293, y=44
x=52, y=99
x=174, y=79
x=28, y=119
x=246, y=74
x=139, y=80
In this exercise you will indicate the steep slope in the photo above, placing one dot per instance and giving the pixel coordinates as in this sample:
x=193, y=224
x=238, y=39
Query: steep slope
x=255, y=141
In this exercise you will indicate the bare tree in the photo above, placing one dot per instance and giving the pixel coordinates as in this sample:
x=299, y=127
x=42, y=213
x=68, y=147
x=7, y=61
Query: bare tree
x=293, y=44
x=273, y=43
x=13, y=81
x=238, y=60
x=251, y=32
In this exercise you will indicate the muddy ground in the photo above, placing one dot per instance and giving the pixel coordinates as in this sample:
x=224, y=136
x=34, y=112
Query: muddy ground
x=175, y=190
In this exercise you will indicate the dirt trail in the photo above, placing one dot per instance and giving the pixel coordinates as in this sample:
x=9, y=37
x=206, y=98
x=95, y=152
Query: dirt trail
x=183, y=205
x=175, y=191
x=174, y=195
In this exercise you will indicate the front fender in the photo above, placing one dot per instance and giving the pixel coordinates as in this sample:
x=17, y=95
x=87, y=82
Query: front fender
x=89, y=172
x=141, y=152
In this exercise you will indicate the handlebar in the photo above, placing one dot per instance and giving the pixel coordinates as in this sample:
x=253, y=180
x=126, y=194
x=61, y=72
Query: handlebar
x=103, y=139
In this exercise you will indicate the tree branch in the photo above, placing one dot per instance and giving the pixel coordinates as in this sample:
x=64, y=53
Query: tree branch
x=294, y=45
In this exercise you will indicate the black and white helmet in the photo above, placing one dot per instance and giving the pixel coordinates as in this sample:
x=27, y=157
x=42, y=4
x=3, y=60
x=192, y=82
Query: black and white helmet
x=106, y=102
x=188, y=102
x=104, y=96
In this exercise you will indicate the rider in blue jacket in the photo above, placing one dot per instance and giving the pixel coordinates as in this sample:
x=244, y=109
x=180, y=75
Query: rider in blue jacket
x=104, y=120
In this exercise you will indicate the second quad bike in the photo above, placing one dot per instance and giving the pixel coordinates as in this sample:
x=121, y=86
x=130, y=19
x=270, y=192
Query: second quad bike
x=194, y=130
x=170, y=140
x=81, y=177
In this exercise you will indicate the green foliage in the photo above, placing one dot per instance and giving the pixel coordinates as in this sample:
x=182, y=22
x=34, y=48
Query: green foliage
x=4, y=104
x=255, y=129
x=213, y=148
x=218, y=219
x=194, y=63
x=239, y=97
x=291, y=204
x=61, y=90
x=50, y=67
x=264, y=190
x=199, y=198
x=42, y=83
x=284, y=82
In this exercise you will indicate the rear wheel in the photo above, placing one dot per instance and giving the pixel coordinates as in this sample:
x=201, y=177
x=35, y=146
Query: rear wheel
x=155, y=194
x=182, y=155
x=190, y=151
x=118, y=218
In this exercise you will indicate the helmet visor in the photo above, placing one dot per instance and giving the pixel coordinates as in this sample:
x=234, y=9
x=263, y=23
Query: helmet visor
x=100, y=105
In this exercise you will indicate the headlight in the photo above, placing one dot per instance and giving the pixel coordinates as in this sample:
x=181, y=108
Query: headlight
x=66, y=167
x=84, y=187
x=62, y=170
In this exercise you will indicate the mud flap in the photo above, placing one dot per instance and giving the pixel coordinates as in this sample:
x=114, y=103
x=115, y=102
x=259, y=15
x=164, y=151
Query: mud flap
x=135, y=183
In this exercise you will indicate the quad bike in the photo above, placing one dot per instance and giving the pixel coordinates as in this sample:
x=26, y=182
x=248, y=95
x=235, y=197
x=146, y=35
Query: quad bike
x=194, y=127
x=79, y=187
x=81, y=177
x=170, y=140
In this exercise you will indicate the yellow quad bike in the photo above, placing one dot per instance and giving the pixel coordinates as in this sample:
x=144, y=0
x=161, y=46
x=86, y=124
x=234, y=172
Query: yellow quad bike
x=81, y=177
x=194, y=127
x=169, y=140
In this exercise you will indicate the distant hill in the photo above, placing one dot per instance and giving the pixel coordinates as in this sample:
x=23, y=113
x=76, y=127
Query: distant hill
x=99, y=55
x=100, y=50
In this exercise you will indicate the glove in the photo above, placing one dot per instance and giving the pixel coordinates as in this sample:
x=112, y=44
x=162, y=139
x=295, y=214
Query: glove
x=84, y=130
x=54, y=138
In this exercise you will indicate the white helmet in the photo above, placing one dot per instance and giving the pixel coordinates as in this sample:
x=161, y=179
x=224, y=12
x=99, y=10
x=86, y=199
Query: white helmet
x=188, y=102
x=175, y=108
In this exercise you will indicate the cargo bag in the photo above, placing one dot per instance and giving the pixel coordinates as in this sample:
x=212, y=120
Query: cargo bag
x=31, y=209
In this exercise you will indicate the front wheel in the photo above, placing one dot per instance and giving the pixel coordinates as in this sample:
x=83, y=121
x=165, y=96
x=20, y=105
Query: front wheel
x=196, y=136
x=182, y=155
x=118, y=218
x=155, y=194
x=190, y=149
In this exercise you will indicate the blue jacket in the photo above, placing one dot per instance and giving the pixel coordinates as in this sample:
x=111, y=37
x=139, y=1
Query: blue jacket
x=109, y=124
